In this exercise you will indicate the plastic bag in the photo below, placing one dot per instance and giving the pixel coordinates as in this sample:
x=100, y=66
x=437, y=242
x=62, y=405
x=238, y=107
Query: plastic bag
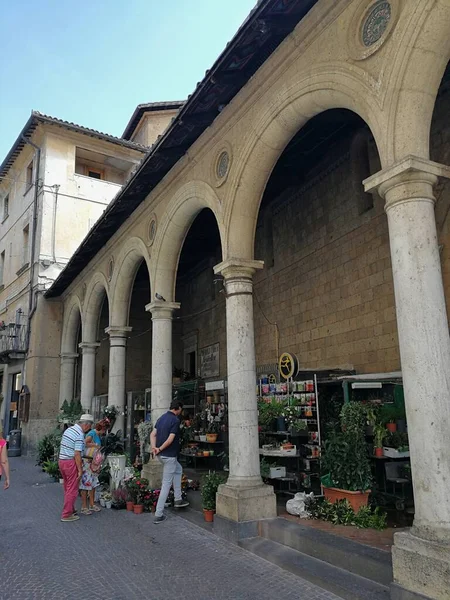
x=296, y=506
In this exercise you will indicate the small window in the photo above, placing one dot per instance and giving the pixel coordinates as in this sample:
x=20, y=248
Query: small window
x=5, y=207
x=94, y=173
x=2, y=266
x=30, y=175
x=26, y=236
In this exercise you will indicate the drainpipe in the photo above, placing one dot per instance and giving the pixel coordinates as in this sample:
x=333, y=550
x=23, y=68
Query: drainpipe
x=55, y=208
x=31, y=304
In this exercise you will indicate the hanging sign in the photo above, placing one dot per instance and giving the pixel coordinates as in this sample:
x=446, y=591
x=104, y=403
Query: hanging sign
x=288, y=365
x=209, y=361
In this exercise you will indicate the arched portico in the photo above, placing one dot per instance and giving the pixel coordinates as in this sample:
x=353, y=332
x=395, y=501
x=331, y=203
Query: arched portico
x=275, y=125
x=175, y=223
x=128, y=263
x=69, y=350
x=97, y=293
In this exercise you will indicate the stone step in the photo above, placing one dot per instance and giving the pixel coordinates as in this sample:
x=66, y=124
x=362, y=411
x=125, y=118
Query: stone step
x=344, y=584
x=359, y=559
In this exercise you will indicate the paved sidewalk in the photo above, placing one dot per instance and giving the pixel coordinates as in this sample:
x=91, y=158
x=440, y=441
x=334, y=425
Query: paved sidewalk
x=119, y=555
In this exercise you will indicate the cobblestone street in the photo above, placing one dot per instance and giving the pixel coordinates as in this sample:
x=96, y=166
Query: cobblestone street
x=119, y=555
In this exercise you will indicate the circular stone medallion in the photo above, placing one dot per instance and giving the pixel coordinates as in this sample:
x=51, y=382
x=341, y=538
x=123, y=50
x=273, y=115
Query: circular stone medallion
x=376, y=22
x=223, y=164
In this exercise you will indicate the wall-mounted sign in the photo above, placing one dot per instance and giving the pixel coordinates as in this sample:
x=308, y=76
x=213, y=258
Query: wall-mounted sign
x=288, y=365
x=209, y=361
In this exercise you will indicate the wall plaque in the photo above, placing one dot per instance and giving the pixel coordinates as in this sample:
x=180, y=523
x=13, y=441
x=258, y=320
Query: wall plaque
x=210, y=361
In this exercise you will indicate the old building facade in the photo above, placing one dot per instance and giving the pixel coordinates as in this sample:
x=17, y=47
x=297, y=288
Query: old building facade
x=55, y=183
x=299, y=201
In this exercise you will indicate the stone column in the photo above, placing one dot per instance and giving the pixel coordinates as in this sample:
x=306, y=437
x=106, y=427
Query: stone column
x=421, y=557
x=244, y=497
x=88, y=352
x=162, y=368
x=67, y=377
x=117, y=372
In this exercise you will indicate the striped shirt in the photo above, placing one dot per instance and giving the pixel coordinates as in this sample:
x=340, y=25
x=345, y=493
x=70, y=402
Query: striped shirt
x=72, y=440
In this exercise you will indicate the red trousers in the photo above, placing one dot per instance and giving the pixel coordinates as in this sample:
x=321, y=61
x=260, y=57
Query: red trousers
x=69, y=472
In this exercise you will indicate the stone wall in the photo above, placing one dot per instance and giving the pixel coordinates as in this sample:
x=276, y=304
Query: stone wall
x=329, y=295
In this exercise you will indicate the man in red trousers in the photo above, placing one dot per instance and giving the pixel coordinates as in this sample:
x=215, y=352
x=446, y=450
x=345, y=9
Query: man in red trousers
x=71, y=465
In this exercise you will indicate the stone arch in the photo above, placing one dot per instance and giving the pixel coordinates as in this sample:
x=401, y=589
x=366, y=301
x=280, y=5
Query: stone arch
x=96, y=293
x=72, y=322
x=281, y=117
x=418, y=78
x=128, y=262
x=176, y=221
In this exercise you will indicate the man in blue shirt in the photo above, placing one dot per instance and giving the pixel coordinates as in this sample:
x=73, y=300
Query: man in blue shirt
x=165, y=441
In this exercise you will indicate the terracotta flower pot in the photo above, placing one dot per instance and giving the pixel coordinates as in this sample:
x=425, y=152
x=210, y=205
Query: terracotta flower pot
x=138, y=509
x=208, y=515
x=378, y=452
x=355, y=499
x=130, y=506
x=211, y=437
x=392, y=427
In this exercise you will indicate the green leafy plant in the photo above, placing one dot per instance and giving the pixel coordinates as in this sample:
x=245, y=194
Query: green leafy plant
x=265, y=465
x=389, y=413
x=354, y=417
x=210, y=485
x=268, y=411
x=51, y=468
x=48, y=447
x=70, y=412
x=396, y=440
x=379, y=433
x=345, y=460
x=341, y=513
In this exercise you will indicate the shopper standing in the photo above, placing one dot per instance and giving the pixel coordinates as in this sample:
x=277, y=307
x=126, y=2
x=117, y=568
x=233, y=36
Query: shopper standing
x=71, y=464
x=4, y=463
x=165, y=441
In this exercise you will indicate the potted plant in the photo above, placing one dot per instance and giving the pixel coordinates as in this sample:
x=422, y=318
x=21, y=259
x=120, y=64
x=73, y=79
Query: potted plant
x=379, y=433
x=210, y=485
x=119, y=498
x=389, y=415
x=345, y=466
x=267, y=414
x=212, y=431
x=107, y=497
x=138, y=488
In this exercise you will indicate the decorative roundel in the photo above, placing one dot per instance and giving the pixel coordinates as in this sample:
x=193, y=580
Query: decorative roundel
x=152, y=227
x=223, y=163
x=110, y=268
x=376, y=22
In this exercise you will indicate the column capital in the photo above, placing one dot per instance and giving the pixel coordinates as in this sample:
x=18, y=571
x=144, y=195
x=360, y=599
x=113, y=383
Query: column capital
x=68, y=356
x=410, y=179
x=89, y=347
x=238, y=267
x=118, y=331
x=161, y=309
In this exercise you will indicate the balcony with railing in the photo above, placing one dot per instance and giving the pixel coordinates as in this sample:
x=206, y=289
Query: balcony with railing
x=13, y=337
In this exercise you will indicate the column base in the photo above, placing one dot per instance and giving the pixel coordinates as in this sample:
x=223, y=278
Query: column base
x=153, y=471
x=246, y=504
x=421, y=568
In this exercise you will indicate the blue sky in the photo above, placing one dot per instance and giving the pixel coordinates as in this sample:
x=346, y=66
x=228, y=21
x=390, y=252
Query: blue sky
x=93, y=62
